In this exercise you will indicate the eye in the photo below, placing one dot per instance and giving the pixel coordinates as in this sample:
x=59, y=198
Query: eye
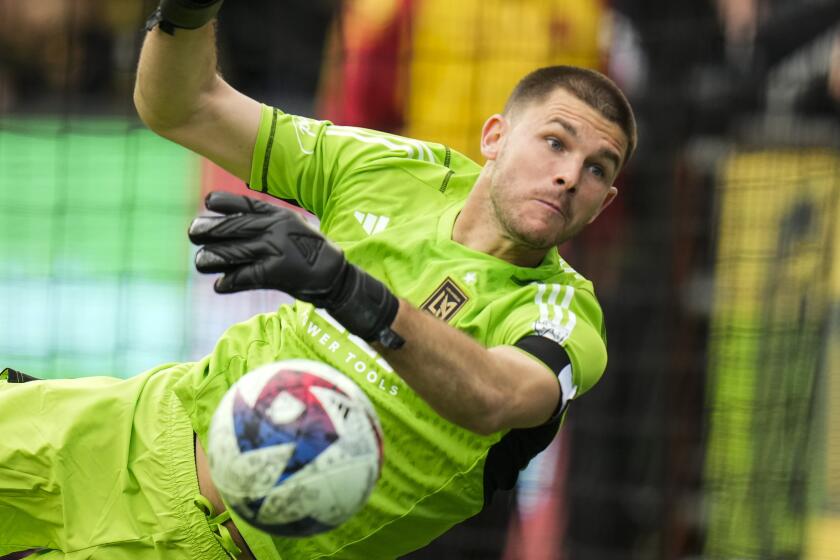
x=554, y=143
x=598, y=171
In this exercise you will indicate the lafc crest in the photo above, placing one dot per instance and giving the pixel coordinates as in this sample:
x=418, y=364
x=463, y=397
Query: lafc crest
x=445, y=302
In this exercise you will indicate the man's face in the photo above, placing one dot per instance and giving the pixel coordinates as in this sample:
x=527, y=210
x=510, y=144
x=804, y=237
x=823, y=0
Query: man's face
x=553, y=164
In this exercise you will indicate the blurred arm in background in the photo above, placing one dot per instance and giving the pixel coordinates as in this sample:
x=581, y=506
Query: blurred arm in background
x=778, y=55
x=180, y=95
x=834, y=70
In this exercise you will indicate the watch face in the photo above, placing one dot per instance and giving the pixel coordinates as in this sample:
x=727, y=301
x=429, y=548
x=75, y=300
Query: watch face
x=389, y=339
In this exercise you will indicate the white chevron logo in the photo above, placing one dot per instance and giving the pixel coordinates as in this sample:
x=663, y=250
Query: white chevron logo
x=371, y=222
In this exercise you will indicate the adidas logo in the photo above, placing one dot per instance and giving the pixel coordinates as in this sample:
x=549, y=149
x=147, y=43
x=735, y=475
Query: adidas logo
x=371, y=222
x=308, y=245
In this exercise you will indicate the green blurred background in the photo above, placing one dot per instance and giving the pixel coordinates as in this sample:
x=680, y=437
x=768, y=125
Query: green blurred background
x=95, y=260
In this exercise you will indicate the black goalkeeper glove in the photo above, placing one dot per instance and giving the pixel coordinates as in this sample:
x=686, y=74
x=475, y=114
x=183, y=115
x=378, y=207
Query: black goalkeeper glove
x=183, y=14
x=257, y=245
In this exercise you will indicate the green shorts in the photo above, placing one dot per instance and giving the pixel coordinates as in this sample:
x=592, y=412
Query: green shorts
x=100, y=468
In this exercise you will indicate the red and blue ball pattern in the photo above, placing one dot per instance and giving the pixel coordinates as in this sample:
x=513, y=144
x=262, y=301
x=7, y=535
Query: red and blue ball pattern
x=312, y=433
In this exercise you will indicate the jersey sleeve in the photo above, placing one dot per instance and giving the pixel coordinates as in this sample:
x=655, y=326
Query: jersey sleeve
x=292, y=161
x=309, y=161
x=569, y=316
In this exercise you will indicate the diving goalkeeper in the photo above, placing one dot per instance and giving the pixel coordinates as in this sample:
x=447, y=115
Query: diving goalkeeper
x=434, y=283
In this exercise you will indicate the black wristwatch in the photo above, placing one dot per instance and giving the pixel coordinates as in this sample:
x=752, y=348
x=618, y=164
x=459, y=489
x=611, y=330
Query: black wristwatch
x=388, y=338
x=156, y=20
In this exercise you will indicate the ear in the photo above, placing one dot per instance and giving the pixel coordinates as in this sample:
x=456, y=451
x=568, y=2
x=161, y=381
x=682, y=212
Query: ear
x=492, y=133
x=611, y=194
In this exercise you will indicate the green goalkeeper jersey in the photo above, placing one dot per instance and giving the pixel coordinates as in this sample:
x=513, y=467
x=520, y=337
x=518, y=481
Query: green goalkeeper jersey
x=390, y=203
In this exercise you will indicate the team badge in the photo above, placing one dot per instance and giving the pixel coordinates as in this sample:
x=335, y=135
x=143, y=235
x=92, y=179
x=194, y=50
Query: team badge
x=445, y=302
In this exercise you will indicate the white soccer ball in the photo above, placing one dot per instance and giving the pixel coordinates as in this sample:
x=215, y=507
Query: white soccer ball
x=295, y=448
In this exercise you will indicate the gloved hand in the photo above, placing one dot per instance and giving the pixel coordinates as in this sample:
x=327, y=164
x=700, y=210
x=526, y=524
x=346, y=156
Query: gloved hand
x=183, y=14
x=256, y=245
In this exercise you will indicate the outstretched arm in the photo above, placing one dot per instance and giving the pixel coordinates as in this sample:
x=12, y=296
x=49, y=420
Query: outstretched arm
x=180, y=95
x=482, y=389
x=258, y=245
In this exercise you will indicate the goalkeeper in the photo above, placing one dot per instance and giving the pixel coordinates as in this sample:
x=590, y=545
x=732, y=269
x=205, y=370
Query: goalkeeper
x=435, y=285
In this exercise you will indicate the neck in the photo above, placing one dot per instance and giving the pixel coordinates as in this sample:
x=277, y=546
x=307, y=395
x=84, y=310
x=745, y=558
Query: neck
x=478, y=228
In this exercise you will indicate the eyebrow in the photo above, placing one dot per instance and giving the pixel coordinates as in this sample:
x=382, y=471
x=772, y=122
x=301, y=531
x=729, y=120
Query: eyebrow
x=611, y=156
x=604, y=153
x=566, y=125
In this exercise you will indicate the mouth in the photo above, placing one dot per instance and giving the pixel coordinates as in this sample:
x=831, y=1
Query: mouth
x=549, y=205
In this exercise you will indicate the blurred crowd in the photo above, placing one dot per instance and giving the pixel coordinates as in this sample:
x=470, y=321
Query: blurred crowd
x=79, y=56
x=83, y=52
x=52, y=50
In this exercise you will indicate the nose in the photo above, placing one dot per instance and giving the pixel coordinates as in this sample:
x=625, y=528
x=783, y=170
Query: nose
x=567, y=175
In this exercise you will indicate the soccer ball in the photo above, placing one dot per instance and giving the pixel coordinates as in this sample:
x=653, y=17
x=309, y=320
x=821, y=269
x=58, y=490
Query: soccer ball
x=295, y=448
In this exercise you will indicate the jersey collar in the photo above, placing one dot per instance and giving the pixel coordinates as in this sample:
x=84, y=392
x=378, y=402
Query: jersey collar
x=446, y=224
